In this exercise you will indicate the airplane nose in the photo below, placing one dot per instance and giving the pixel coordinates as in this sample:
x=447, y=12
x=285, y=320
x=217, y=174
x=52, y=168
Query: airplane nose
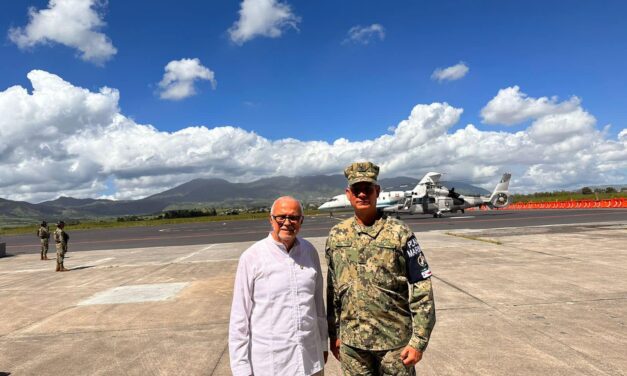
x=323, y=206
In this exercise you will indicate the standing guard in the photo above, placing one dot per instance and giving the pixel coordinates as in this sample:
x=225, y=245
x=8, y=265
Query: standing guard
x=43, y=233
x=61, y=238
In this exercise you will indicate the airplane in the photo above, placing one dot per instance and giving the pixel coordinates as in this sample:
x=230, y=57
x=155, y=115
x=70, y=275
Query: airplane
x=433, y=198
x=340, y=202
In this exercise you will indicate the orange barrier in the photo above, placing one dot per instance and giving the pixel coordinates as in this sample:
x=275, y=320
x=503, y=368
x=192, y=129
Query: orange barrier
x=571, y=204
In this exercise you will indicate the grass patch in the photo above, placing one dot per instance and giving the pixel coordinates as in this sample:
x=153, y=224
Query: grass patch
x=113, y=223
x=472, y=237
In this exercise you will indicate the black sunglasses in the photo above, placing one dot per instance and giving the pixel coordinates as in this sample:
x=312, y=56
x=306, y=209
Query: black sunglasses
x=367, y=189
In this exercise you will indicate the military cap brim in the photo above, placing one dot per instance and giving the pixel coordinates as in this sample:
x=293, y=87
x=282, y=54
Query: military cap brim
x=362, y=180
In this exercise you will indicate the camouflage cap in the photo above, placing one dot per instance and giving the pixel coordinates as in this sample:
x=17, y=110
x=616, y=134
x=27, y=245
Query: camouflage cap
x=361, y=172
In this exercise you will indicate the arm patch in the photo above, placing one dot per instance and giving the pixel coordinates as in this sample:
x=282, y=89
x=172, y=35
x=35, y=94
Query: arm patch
x=417, y=267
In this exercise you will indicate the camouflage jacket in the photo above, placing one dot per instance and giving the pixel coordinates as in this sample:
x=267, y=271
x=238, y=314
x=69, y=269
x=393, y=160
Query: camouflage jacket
x=61, y=236
x=43, y=232
x=379, y=294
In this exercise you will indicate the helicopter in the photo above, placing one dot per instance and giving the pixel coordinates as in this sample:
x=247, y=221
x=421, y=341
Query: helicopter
x=431, y=197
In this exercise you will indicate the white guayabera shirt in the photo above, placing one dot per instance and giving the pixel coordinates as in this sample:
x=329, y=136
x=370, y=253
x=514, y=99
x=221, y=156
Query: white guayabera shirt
x=278, y=322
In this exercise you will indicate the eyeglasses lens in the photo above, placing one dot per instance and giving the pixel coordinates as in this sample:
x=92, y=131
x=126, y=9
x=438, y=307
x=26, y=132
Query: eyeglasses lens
x=283, y=218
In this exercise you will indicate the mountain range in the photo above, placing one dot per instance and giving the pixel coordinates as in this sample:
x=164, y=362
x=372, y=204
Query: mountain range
x=201, y=193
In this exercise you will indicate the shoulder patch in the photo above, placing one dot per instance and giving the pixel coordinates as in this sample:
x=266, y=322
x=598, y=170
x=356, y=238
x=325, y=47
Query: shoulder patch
x=417, y=267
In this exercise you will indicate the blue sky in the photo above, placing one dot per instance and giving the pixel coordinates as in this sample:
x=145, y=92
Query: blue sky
x=311, y=82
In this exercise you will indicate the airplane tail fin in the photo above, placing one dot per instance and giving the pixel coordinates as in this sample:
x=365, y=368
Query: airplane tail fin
x=500, y=196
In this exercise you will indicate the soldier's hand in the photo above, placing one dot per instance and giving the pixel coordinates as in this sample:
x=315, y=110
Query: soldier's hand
x=410, y=356
x=335, y=348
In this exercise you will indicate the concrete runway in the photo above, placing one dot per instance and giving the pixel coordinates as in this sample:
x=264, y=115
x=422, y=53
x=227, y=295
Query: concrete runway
x=545, y=300
x=238, y=231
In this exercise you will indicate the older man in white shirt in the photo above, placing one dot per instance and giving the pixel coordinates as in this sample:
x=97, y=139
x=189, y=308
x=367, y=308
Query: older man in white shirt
x=278, y=321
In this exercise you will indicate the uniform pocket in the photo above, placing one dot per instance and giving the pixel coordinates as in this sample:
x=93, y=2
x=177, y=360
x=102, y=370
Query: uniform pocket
x=386, y=265
x=345, y=264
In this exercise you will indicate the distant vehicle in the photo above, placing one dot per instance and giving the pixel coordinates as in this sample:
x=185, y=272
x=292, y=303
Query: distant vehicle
x=430, y=197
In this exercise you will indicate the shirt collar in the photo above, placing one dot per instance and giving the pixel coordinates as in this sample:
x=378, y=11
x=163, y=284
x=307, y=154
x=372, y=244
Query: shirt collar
x=371, y=231
x=280, y=245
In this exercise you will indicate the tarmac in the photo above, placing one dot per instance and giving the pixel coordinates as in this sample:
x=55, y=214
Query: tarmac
x=548, y=300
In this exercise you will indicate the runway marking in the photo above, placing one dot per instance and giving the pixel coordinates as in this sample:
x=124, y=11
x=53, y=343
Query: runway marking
x=25, y=271
x=469, y=217
x=136, y=294
x=164, y=263
x=192, y=254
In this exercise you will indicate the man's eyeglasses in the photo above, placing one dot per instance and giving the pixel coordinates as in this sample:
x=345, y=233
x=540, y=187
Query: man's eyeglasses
x=366, y=188
x=292, y=218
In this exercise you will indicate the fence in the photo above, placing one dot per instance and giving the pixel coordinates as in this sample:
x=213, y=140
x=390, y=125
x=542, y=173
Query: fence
x=571, y=204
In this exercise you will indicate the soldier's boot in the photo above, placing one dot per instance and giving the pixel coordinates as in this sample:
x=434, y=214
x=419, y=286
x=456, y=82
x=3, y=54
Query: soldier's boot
x=63, y=269
x=42, y=256
x=58, y=267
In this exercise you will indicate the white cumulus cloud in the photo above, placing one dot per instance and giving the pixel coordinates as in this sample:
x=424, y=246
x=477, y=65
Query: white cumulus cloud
x=453, y=73
x=365, y=34
x=73, y=23
x=511, y=106
x=267, y=18
x=60, y=139
x=179, y=77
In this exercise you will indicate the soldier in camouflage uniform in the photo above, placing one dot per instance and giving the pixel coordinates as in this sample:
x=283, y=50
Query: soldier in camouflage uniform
x=61, y=238
x=380, y=308
x=43, y=233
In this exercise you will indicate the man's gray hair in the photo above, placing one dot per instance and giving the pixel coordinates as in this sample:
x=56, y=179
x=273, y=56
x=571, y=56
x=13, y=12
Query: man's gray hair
x=302, y=212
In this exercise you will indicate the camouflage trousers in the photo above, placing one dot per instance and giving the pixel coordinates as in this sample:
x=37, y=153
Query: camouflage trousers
x=61, y=249
x=358, y=362
x=44, y=247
